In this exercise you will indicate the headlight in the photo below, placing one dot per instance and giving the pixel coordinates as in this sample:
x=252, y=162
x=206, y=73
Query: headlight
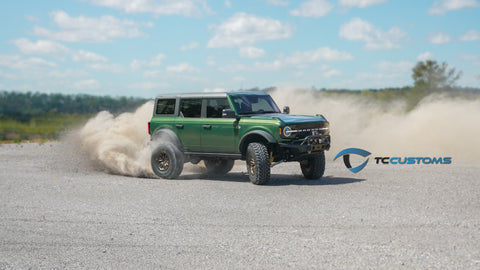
x=287, y=131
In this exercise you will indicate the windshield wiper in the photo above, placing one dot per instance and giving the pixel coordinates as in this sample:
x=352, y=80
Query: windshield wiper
x=271, y=112
x=257, y=112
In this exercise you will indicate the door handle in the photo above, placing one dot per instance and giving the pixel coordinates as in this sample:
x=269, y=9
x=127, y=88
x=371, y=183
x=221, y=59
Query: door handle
x=207, y=126
x=179, y=126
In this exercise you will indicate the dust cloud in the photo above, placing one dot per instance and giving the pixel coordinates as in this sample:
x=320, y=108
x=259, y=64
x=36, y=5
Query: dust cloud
x=119, y=144
x=437, y=127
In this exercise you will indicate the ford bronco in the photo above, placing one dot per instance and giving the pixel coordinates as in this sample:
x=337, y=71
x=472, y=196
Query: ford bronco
x=220, y=128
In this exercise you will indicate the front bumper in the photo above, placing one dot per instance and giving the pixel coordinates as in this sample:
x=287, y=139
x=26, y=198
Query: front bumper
x=299, y=149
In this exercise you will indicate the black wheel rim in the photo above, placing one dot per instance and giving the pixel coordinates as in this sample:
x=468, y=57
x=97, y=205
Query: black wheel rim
x=163, y=161
x=251, y=165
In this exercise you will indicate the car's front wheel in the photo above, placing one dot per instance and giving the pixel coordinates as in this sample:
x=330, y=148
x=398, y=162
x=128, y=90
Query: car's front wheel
x=258, y=163
x=167, y=161
x=313, y=167
x=218, y=166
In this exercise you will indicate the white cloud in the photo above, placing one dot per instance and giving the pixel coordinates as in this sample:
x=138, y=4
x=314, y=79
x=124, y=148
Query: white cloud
x=19, y=62
x=277, y=2
x=251, y=52
x=57, y=50
x=394, y=68
x=156, y=61
x=186, y=8
x=313, y=8
x=332, y=73
x=265, y=66
x=360, y=30
x=298, y=74
x=243, y=29
x=425, y=56
x=85, y=56
x=88, y=29
x=471, y=35
x=299, y=60
x=228, y=4
x=442, y=6
x=112, y=68
x=181, y=68
x=153, y=73
x=190, y=46
x=137, y=64
x=440, y=38
x=360, y=3
x=69, y=73
x=41, y=47
x=211, y=61
x=86, y=85
x=9, y=76
x=239, y=79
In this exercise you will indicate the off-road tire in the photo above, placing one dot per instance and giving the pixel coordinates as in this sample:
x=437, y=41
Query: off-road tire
x=167, y=161
x=258, y=163
x=218, y=166
x=313, y=167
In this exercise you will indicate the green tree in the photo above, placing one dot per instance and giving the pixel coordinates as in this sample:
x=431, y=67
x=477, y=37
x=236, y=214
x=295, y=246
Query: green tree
x=431, y=76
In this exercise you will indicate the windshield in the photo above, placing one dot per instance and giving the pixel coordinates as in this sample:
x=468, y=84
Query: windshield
x=252, y=104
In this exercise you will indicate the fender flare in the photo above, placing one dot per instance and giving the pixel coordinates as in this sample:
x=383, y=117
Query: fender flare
x=166, y=134
x=245, y=139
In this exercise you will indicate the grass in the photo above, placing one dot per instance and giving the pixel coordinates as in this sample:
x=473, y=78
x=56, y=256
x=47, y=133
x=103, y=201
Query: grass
x=41, y=128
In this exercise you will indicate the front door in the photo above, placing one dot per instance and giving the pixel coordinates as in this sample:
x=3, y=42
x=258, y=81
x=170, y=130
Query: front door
x=218, y=134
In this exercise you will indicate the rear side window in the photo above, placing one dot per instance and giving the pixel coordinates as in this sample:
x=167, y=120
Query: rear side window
x=215, y=106
x=165, y=106
x=191, y=107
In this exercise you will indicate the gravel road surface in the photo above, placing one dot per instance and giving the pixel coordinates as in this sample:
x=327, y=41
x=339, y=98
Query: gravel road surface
x=57, y=211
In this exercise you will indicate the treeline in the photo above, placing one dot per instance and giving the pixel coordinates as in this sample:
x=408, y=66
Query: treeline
x=25, y=106
x=39, y=116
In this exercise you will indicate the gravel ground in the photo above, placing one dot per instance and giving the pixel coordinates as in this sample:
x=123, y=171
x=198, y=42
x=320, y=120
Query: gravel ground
x=56, y=211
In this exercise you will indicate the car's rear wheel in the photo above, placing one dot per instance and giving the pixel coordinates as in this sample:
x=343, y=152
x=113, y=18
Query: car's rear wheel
x=218, y=166
x=258, y=163
x=167, y=161
x=313, y=167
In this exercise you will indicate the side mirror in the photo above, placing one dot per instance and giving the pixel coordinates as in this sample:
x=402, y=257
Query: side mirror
x=286, y=110
x=228, y=113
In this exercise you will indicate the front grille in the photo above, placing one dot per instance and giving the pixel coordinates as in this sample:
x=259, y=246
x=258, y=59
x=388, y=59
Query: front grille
x=301, y=131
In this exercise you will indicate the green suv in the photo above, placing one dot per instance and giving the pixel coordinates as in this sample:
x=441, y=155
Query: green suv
x=219, y=128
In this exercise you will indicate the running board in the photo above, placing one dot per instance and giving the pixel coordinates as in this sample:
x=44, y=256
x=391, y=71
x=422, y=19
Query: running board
x=217, y=155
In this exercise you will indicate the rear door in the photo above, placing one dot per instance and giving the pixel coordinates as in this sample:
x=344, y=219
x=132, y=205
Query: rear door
x=188, y=126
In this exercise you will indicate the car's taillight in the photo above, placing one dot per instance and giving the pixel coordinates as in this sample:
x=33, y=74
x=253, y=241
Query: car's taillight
x=149, y=128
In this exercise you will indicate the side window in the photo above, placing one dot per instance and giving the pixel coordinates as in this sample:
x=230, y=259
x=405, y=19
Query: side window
x=165, y=106
x=215, y=106
x=191, y=107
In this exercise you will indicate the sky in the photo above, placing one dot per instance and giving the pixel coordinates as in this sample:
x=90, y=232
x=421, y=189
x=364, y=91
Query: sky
x=144, y=48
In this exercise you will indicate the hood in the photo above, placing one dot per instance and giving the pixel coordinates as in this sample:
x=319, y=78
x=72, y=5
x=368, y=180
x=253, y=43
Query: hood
x=292, y=119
